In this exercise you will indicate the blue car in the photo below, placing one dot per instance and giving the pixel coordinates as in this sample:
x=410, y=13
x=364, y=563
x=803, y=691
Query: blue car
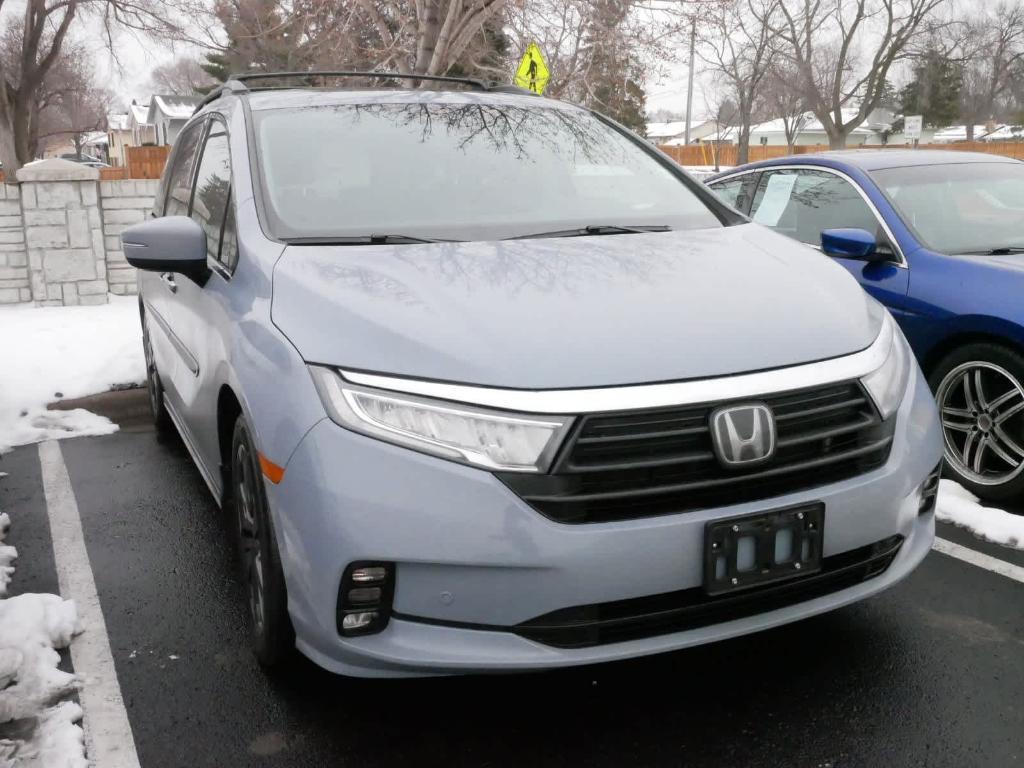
x=938, y=238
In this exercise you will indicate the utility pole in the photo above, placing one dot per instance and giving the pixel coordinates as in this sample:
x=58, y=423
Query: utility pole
x=689, y=78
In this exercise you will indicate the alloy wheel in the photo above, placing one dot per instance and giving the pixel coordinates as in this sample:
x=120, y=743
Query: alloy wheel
x=982, y=411
x=249, y=533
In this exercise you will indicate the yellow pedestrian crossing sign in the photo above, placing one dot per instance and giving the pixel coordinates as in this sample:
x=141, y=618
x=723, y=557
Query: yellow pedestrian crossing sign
x=533, y=72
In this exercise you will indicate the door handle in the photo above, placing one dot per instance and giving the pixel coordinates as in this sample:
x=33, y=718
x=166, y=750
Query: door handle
x=168, y=278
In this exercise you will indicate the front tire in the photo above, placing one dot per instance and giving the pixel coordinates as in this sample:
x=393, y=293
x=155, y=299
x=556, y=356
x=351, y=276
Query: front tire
x=154, y=387
x=271, y=633
x=979, y=389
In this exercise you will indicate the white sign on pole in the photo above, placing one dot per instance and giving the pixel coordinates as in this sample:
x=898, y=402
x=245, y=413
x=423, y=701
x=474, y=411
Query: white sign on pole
x=912, y=126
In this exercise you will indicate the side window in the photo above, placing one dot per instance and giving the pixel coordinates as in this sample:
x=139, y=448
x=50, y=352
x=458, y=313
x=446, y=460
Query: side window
x=736, y=191
x=177, y=183
x=211, y=201
x=802, y=203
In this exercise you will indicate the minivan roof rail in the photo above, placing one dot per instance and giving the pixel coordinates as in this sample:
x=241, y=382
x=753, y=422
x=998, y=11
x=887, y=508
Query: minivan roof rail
x=238, y=83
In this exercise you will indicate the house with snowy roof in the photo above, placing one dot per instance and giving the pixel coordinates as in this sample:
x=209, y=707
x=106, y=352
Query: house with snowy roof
x=168, y=115
x=139, y=125
x=119, y=136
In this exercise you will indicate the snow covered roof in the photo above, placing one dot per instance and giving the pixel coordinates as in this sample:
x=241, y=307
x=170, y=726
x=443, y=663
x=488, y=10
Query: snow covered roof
x=139, y=113
x=672, y=129
x=117, y=122
x=172, y=107
x=1003, y=133
x=95, y=139
x=812, y=125
x=956, y=133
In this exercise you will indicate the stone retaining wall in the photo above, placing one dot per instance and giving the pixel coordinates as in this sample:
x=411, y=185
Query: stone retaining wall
x=60, y=234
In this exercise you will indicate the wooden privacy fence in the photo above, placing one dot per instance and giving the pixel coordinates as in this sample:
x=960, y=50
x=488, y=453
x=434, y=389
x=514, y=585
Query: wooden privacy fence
x=704, y=154
x=140, y=163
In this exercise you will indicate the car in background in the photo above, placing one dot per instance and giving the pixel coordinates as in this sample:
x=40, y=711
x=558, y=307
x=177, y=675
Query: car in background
x=487, y=383
x=938, y=238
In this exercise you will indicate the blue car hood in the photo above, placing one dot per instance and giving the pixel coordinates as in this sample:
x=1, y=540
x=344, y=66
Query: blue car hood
x=572, y=312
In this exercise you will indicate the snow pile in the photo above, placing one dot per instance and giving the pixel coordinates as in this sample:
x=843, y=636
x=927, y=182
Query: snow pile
x=960, y=507
x=54, y=353
x=37, y=723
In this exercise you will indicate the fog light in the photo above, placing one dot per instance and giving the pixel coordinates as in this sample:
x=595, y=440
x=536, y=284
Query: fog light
x=364, y=575
x=364, y=598
x=356, y=621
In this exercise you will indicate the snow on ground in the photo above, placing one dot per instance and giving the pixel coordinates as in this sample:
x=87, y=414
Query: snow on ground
x=960, y=507
x=55, y=353
x=38, y=719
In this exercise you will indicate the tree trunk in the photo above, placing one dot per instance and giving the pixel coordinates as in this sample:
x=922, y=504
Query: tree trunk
x=8, y=152
x=836, y=138
x=969, y=127
x=429, y=27
x=743, y=142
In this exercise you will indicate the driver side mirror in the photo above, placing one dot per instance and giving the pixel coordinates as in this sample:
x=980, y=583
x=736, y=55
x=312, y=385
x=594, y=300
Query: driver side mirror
x=169, y=244
x=852, y=243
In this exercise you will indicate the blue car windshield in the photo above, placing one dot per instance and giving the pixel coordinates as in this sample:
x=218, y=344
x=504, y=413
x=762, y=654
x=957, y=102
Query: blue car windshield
x=461, y=171
x=960, y=207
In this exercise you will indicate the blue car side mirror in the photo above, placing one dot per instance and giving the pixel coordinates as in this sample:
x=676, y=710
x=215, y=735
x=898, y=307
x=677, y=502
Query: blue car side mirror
x=851, y=243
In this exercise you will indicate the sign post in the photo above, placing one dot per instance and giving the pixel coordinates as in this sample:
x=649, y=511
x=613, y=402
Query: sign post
x=912, y=127
x=532, y=72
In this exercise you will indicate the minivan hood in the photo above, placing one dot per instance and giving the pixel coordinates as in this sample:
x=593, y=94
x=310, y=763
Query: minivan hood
x=572, y=312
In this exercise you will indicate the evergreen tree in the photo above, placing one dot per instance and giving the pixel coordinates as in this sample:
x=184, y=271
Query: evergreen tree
x=934, y=92
x=613, y=82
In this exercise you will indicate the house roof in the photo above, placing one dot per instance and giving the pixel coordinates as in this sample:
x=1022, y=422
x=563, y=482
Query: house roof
x=813, y=125
x=117, y=122
x=1003, y=133
x=672, y=129
x=139, y=113
x=172, y=106
x=956, y=133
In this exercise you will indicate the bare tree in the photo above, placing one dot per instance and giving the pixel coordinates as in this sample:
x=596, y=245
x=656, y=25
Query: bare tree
x=42, y=33
x=70, y=103
x=785, y=100
x=724, y=113
x=842, y=51
x=737, y=43
x=183, y=76
x=993, y=59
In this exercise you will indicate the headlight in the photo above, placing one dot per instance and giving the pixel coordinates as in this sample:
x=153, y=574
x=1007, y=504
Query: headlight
x=490, y=439
x=888, y=382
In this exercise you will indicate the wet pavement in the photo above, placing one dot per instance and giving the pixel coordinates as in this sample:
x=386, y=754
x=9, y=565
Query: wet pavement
x=930, y=673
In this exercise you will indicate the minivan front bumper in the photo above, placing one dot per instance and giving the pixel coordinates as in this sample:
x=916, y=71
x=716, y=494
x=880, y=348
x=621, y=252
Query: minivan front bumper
x=473, y=560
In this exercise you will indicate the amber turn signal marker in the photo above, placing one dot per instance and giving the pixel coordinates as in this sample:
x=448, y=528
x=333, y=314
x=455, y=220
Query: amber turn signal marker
x=270, y=470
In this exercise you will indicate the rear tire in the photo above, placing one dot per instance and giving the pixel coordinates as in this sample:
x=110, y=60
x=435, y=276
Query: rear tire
x=979, y=389
x=271, y=634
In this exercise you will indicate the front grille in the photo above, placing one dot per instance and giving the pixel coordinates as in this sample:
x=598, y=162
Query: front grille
x=621, y=466
x=622, y=620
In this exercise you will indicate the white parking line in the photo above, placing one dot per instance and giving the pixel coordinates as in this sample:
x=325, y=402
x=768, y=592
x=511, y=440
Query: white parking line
x=989, y=563
x=108, y=734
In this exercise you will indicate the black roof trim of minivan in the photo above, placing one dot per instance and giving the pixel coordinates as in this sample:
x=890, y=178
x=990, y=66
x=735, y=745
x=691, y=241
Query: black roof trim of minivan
x=239, y=83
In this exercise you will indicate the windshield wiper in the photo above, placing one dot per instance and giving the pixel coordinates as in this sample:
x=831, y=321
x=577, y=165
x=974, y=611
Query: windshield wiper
x=595, y=229
x=369, y=240
x=1002, y=250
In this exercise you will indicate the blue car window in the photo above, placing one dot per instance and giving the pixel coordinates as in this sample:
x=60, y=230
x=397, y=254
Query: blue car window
x=801, y=203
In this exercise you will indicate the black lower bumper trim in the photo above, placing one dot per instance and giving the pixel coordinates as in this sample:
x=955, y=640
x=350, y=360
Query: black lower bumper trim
x=622, y=620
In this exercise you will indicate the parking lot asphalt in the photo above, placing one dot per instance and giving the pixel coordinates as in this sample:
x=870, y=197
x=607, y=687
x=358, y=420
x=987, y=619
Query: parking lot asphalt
x=930, y=673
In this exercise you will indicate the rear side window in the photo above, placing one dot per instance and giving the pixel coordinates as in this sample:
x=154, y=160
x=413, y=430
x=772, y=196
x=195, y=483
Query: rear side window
x=735, y=192
x=178, y=182
x=210, y=203
x=802, y=203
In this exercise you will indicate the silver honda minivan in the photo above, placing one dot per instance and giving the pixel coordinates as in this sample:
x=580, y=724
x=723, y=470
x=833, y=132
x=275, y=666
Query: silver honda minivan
x=487, y=383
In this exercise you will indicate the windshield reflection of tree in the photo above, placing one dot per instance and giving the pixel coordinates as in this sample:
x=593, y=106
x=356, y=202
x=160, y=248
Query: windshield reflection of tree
x=508, y=128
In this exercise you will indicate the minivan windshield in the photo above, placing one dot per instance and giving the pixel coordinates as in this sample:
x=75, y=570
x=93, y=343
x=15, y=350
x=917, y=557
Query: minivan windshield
x=398, y=172
x=960, y=208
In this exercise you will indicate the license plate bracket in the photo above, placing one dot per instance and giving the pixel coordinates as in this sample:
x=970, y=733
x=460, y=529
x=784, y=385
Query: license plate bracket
x=763, y=548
